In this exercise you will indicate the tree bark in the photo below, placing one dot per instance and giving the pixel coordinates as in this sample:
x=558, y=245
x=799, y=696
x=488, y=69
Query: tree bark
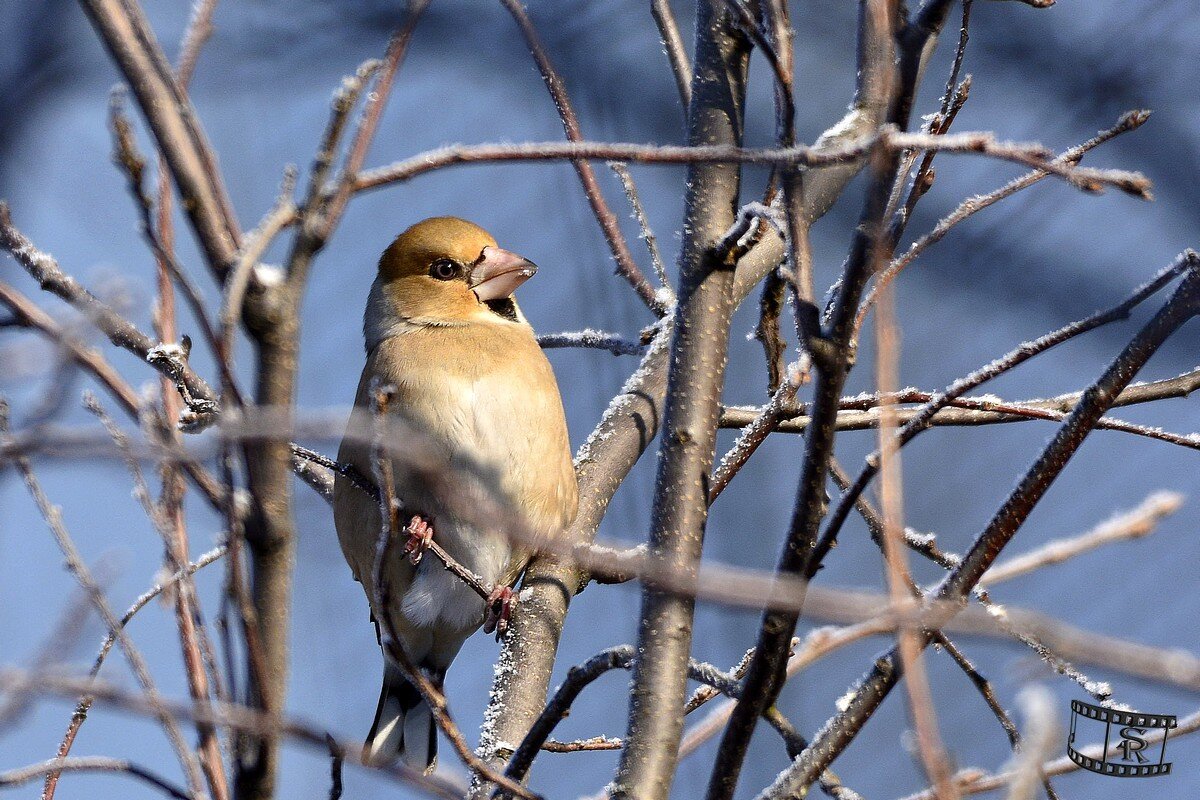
x=694, y=383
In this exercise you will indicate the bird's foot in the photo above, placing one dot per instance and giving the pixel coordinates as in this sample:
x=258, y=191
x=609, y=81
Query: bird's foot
x=420, y=536
x=500, y=604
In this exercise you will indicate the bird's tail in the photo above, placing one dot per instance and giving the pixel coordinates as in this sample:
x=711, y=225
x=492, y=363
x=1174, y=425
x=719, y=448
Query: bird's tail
x=404, y=727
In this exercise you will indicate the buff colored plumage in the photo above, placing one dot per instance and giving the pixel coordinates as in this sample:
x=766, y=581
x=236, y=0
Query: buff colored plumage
x=441, y=326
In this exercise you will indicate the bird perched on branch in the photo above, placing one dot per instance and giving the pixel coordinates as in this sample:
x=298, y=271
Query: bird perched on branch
x=443, y=329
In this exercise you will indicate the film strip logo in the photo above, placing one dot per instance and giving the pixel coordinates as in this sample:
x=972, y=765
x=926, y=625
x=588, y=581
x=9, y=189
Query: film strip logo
x=1130, y=740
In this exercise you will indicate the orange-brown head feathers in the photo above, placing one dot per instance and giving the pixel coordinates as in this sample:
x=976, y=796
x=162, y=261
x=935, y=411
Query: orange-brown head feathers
x=414, y=251
x=443, y=271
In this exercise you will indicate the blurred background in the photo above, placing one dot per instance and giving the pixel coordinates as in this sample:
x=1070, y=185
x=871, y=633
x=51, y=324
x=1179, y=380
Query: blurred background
x=1031, y=264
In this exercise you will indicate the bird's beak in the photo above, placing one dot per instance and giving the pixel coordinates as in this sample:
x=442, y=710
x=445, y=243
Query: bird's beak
x=498, y=273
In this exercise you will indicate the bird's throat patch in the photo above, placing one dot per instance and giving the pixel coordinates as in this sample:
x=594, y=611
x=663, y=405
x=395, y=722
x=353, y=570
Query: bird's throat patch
x=505, y=307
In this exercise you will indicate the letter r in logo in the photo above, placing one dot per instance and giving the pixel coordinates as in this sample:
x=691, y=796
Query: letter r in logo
x=1132, y=744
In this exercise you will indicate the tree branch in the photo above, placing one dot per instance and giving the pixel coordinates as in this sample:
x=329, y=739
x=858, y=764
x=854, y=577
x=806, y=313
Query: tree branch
x=846, y=144
x=672, y=40
x=45, y=270
x=694, y=381
x=764, y=679
x=870, y=691
x=79, y=570
x=626, y=265
x=626, y=429
x=55, y=766
x=127, y=35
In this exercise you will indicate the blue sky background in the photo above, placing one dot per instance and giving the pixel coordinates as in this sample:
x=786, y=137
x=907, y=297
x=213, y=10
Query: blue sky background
x=1031, y=264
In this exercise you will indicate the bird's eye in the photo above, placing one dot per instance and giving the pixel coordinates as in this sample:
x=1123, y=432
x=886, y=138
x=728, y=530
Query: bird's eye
x=444, y=269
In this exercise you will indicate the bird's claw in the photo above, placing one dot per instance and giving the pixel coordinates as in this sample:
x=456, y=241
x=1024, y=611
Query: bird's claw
x=420, y=536
x=500, y=604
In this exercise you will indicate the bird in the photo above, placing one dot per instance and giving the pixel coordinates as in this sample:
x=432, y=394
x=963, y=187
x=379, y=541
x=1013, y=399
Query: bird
x=441, y=326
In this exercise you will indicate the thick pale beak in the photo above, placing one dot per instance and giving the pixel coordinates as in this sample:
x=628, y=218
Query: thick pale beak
x=498, y=273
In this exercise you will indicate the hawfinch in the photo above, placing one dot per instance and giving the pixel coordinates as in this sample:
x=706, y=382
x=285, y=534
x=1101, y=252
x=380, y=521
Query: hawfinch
x=442, y=327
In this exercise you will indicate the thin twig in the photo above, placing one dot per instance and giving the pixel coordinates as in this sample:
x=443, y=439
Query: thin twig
x=672, y=40
x=57, y=766
x=932, y=750
x=589, y=338
x=132, y=164
x=920, y=422
x=81, y=573
x=752, y=435
x=224, y=715
x=168, y=521
x=125, y=32
x=122, y=333
x=559, y=704
x=834, y=153
x=580, y=677
x=256, y=243
x=1131, y=120
x=639, y=213
x=858, y=413
x=583, y=745
x=368, y=123
x=1133, y=524
x=874, y=687
x=953, y=99
x=85, y=702
x=626, y=264
x=345, y=98
x=94, y=363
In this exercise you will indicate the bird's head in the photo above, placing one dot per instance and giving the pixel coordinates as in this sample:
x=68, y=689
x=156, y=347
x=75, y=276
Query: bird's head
x=446, y=270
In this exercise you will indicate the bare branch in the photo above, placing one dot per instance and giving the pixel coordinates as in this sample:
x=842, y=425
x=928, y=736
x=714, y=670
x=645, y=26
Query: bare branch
x=583, y=745
x=639, y=213
x=56, y=766
x=694, y=383
x=282, y=214
x=869, y=693
x=857, y=413
x=167, y=519
x=317, y=232
x=122, y=333
x=626, y=265
x=837, y=150
x=81, y=573
x=559, y=705
x=913, y=427
x=1133, y=524
x=94, y=363
x=1129, y=121
x=222, y=715
x=764, y=679
x=620, y=657
x=900, y=584
x=129, y=39
x=668, y=30
x=130, y=161
x=589, y=338
x=85, y=702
